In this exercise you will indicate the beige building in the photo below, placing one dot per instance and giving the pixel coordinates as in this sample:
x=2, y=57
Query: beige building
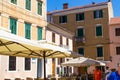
x=60, y=36
x=89, y=24
x=25, y=18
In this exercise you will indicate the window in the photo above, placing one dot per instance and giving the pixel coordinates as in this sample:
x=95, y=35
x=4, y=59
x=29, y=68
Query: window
x=53, y=37
x=14, y=1
x=80, y=32
x=28, y=4
x=98, y=14
x=117, y=31
x=61, y=41
x=81, y=51
x=98, y=30
x=118, y=50
x=39, y=7
x=99, y=51
x=27, y=63
x=39, y=33
x=58, y=70
x=27, y=30
x=63, y=19
x=67, y=41
x=13, y=25
x=79, y=16
x=12, y=63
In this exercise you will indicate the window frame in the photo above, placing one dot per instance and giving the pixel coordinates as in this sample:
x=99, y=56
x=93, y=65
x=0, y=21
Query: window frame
x=79, y=16
x=30, y=65
x=98, y=14
x=16, y=25
x=30, y=5
x=82, y=33
x=97, y=54
x=38, y=27
x=13, y=2
x=101, y=31
x=82, y=51
x=63, y=19
x=117, y=33
x=117, y=50
x=15, y=62
x=38, y=7
x=25, y=30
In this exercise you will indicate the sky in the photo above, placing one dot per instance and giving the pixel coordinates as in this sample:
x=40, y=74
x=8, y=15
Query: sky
x=58, y=4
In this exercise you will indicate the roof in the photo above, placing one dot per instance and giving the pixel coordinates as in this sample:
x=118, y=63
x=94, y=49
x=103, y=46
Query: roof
x=79, y=7
x=115, y=20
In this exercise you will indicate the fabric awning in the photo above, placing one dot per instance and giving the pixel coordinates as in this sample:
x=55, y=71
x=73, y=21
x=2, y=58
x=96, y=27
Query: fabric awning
x=14, y=45
x=82, y=61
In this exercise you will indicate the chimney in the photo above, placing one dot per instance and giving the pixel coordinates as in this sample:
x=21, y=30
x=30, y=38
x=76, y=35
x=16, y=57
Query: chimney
x=65, y=6
x=93, y=2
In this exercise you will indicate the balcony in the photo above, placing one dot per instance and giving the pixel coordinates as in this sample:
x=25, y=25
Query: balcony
x=79, y=39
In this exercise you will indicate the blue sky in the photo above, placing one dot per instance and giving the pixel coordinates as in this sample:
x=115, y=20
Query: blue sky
x=57, y=4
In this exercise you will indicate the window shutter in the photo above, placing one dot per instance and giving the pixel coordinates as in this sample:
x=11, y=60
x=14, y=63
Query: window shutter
x=60, y=19
x=99, y=52
x=81, y=51
x=27, y=31
x=13, y=25
x=77, y=17
x=28, y=4
x=39, y=33
x=95, y=14
x=82, y=16
x=101, y=13
x=39, y=8
x=80, y=32
x=98, y=31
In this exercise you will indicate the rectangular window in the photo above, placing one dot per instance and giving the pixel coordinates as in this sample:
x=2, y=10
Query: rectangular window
x=117, y=31
x=98, y=30
x=61, y=41
x=80, y=32
x=28, y=4
x=12, y=63
x=53, y=37
x=81, y=51
x=39, y=33
x=118, y=50
x=98, y=14
x=99, y=51
x=13, y=25
x=39, y=7
x=14, y=1
x=27, y=30
x=63, y=19
x=27, y=63
x=58, y=70
x=67, y=41
x=79, y=16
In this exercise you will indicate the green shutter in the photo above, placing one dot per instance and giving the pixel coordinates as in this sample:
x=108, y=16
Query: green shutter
x=13, y=25
x=27, y=30
x=39, y=7
x=81, y=51
x=60, y=19
x=80, y=32
x=65, y=19
x=101, y=13
x=95, y=14
x=28, y=4
x=14, y=1
x=99, y=31
x=99, y=52
x=77, y=17
x=39, y=33
x=82, y=16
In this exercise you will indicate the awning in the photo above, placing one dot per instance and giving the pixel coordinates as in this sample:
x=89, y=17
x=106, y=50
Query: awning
x=13, y=45
x=82, y=61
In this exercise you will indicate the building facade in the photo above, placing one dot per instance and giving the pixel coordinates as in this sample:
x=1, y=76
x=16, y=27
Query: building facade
x=60, y=36
x=114, y=33
x=89, y=24
x=26, y=18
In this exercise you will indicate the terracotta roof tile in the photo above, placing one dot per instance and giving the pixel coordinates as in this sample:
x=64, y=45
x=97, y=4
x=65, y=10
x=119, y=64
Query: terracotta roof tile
x=79, y=7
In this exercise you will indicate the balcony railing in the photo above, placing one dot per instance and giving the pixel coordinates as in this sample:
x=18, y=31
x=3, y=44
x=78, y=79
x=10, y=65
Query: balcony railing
x=79, y=39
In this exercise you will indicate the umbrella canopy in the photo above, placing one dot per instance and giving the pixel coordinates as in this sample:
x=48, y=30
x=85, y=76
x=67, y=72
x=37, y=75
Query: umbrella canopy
x=82, y=61
x=13, y=45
